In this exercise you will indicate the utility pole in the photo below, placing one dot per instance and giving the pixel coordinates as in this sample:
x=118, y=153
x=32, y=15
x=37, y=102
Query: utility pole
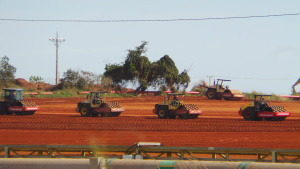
x=209, y=78
x=57, y=41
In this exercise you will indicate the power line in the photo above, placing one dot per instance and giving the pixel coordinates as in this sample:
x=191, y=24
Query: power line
x=146, y=20
x=249, y=78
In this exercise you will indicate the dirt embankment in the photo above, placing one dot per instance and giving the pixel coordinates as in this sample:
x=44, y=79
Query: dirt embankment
x=219, y=126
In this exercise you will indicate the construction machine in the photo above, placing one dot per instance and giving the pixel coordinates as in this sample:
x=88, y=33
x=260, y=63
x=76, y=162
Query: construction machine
x=293, y=87
x=173, y=107
x=260, y=109
x=218, y=91
x=95, y=105
x=12, y=102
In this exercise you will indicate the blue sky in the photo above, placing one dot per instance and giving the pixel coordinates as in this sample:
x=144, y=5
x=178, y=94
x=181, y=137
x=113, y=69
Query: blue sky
x=257, y=54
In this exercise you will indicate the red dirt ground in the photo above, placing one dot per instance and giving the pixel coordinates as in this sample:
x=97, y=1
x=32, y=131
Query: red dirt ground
x=57, y=123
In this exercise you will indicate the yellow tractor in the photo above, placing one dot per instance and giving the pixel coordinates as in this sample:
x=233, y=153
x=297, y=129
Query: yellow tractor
x=218, y=91
x=95, y=105
x=173, y=107
x=260, y=109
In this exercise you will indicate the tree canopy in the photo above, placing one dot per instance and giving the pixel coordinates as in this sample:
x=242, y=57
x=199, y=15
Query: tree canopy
x=7, y=72
x=138, y=69
x=80, y=79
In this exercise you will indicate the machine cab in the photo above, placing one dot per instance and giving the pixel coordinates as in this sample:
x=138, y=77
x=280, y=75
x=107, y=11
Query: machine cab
x=95, y=98
x=174, y=101
x=260, y=103
x=11, y=95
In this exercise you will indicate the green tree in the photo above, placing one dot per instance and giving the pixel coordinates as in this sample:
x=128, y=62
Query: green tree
x=81, y=83
x=7, y=72
x=90, y=79
x=71, y=76
x=115, y=72
x=165, y=73
x=138, y=69
x=183, y=80
x=70, y=79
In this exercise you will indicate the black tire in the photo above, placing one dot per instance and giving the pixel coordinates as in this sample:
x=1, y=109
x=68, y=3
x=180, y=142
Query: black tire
x=194, y=116
x=85, y=111
x=211, y=94
x=162, y=113
x=117, y=114
x=218, y=97
x=94, y=114
x=249, y=114
x=282, y=118
x=227, y=98
x=181, y=116
x=278, y=118
x=2, y=108
x=172, y=116
x=9, y=113
x=184, y=117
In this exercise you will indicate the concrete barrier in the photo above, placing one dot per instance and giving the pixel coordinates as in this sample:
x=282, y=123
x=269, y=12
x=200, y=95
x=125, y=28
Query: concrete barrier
x=101, y=163
x=44, y=163
x=154, y=164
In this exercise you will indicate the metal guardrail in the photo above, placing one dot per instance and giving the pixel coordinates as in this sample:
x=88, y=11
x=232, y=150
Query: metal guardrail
x=151, y=152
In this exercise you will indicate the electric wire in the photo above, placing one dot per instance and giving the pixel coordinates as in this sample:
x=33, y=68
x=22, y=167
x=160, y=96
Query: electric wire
x=249, y=78
x=147, y=20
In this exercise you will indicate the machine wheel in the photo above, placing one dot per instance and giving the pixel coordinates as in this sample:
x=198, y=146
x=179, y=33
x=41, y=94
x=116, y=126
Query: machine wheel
x=211, y=94
x=31, y=113
x=162, y=113
x=268, y=119
x=227, y=98
x=172, y=116
x=94, y=114
x=182, y=117
x=249, y=114
x=2, y=109
x=115, y=114
x=18, y=113
x=218, y=97
x=9, y=113
x=85, y=111
x=279, y=118
x=194, y=116
x=104, y=115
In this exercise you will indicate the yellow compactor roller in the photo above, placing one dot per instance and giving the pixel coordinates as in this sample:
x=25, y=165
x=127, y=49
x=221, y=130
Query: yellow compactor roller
x=218, y=91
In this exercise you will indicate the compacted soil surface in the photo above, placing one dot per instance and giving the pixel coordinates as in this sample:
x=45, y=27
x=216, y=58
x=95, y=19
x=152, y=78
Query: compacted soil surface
x=57, y=123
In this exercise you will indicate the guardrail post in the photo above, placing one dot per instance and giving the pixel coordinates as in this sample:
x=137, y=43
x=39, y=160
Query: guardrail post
x=83, y=153
x=7, y=152
x=181, y=154
x=213, y=156
x=227, y=155
x=169, y=154
x=274, y=156
x=137, y=151
x=50, y=153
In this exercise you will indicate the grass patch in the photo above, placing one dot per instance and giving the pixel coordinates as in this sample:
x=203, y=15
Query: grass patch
x=274, y=97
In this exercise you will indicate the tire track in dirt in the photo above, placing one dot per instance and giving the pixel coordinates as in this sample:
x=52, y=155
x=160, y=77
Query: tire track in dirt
x=141, y=123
